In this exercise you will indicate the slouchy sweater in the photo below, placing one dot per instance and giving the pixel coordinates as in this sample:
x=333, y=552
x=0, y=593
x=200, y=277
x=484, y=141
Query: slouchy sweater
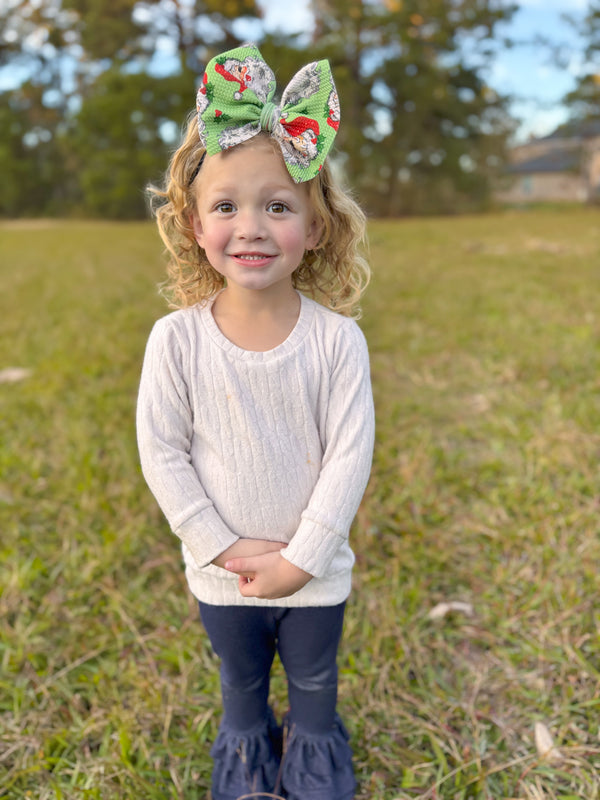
x=270, y=445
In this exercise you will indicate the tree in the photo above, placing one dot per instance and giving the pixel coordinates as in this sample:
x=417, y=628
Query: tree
x=583, y=101
x=421, y=131
x=76, y=120
x=117, y=140
x=425, y=133
x=31, y=159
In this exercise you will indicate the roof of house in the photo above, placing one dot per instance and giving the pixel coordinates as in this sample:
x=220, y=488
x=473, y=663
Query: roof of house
x=576, y=129
x=582, y=129
x=564, y=159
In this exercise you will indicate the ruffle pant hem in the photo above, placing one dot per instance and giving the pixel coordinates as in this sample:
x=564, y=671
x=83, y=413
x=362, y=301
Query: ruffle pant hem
x=294, y=765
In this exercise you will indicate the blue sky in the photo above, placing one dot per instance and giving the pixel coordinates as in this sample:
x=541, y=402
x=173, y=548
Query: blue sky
x=528, y=74
x=523, y=72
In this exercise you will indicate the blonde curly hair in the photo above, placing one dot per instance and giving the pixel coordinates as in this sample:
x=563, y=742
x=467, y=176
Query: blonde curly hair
x=335, y=272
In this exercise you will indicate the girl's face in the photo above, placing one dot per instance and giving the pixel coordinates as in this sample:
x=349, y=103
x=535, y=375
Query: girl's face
x=253, y=222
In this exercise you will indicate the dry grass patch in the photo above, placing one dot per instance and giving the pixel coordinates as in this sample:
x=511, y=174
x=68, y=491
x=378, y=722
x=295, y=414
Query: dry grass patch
x=484, y=497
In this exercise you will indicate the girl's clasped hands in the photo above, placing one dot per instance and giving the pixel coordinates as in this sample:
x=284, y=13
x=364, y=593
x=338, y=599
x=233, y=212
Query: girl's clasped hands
x=262, y=569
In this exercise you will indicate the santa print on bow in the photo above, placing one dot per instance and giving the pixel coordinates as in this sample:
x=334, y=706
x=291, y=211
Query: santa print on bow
x=235, y=102
x=230, y=76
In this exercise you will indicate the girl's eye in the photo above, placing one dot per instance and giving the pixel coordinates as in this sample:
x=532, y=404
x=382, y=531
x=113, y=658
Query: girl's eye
x=225, y=207
x=277, y=207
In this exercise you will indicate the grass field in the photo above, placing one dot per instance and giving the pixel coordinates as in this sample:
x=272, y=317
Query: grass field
x=485, y=495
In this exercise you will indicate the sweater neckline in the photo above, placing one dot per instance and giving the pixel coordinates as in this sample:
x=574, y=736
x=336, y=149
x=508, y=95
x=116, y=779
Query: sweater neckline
x=294, y=338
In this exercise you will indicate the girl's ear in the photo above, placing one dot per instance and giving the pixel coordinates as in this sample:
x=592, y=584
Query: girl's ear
x=314, y=233
x=197, y=228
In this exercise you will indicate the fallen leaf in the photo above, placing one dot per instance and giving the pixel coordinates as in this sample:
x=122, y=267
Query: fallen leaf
x=442, y=609
x=14, y=374
x=544, y=743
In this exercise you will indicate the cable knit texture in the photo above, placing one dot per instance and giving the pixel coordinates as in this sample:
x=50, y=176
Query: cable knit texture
x=270, y=445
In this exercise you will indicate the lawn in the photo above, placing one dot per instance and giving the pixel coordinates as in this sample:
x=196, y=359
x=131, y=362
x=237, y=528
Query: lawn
x=474, y=620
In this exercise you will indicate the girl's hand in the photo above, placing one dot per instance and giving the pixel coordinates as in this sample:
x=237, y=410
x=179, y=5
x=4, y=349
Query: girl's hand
x=245, y=548
x=267, y=576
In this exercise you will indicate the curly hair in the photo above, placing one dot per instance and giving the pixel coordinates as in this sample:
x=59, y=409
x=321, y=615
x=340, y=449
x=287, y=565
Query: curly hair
x=335, y=272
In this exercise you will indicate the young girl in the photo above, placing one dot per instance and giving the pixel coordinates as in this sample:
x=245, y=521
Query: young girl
x=255, y=415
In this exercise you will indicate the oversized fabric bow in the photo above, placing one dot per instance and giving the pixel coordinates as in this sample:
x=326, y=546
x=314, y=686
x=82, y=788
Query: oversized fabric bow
x=235, y=103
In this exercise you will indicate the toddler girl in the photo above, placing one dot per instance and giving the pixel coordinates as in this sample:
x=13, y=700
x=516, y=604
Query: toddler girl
x=255, y=414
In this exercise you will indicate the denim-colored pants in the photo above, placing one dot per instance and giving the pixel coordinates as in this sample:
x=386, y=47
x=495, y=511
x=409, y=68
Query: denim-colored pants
x=246, y=639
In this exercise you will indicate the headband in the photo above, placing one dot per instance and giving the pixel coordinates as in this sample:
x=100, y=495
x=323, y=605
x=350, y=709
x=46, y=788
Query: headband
x=235, y=103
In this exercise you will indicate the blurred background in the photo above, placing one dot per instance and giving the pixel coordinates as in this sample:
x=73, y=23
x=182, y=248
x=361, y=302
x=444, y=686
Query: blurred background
x=474, y=621
x=448, y=106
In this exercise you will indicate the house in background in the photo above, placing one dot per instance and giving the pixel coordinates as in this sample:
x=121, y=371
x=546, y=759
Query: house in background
x=564, y=166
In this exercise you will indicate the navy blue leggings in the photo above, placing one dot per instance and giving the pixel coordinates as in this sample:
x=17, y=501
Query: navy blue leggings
x=246, y=639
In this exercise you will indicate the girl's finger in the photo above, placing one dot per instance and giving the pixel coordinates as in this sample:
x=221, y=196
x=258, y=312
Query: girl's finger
x=245, y=586
x=239, y=565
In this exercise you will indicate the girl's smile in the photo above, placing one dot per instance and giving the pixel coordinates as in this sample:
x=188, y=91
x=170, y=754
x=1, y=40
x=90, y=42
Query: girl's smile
x=253, y=259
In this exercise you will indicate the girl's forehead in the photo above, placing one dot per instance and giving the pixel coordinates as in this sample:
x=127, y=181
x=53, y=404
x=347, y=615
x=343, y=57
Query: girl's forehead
x=259, y=157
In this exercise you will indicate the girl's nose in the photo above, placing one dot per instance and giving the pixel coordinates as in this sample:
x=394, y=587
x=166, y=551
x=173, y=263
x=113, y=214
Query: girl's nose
x=250, y=224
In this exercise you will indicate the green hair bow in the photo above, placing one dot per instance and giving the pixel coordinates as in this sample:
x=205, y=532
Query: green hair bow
x=235, y=103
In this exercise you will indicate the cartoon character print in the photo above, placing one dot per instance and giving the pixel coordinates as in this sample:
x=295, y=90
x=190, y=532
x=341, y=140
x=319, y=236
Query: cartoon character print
x=333, y=106
x=202, y=103
x=304, y=84
x=251, y=73
x=299, y=140
x=292, y=123
x=236, y=135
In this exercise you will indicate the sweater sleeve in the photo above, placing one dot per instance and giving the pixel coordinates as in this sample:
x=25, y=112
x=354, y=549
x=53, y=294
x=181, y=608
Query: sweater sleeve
x=164, y=431
x=346, y=464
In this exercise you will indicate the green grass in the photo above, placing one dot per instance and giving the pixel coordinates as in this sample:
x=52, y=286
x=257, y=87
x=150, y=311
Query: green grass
x=484, y=335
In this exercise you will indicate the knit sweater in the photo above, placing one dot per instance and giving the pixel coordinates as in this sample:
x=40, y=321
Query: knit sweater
x=270, y=445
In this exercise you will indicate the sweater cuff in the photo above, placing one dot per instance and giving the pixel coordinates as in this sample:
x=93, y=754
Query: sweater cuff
x=313, y=547
x=205, y=535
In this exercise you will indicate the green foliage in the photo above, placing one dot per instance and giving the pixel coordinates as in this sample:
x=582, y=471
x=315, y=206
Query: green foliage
x=31, y=161
x=117, y=138
x=85, y=134
x=421, y=132
x=583, y=101
x=484, y=340
x=105, y=28
x=591, y=28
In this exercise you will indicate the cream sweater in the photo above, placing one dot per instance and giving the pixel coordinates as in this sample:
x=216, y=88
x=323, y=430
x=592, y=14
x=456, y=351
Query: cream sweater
x=270, y=445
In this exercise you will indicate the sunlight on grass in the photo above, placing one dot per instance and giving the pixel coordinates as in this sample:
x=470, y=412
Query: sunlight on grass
x=484, y=338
